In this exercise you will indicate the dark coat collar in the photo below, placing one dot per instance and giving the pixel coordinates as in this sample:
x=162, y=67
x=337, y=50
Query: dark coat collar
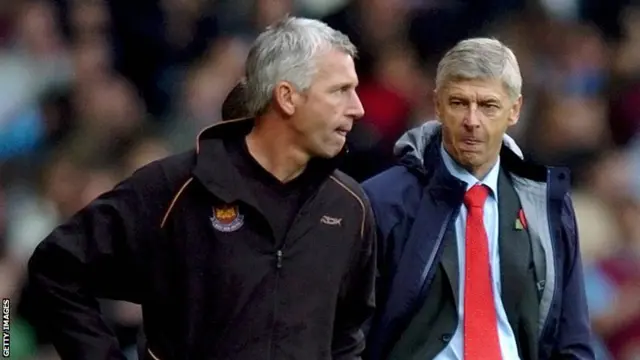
x=219, y=175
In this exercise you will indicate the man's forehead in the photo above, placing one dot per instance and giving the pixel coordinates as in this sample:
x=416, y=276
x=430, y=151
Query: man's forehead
x=476, y=88
x=337, y=65
x=332, y=55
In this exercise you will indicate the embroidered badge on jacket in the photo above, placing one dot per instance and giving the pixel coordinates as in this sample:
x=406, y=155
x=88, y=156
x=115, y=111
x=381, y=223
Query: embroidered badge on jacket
x=227, y=218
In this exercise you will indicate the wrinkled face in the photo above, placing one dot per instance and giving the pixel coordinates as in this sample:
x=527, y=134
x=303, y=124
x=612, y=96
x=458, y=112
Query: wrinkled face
x=475, y=115
x=322, y=116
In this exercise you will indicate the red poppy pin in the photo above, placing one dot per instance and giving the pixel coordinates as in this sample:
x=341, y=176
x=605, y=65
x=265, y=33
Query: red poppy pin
x=521, y=221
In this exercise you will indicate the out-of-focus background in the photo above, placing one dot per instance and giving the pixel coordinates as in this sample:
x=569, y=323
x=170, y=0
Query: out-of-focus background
x=90, y=90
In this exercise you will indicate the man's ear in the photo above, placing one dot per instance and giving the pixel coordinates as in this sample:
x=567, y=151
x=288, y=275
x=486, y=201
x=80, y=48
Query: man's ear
x=437, y=104
x=514, y=112
x=284, y=94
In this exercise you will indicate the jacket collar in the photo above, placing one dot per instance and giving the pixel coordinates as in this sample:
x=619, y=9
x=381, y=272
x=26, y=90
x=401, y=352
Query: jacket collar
x=418, y=150
x=214, y=168
x=490, y=179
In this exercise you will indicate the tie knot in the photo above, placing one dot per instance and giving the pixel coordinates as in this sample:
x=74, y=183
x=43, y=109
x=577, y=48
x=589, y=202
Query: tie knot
x=476, y=196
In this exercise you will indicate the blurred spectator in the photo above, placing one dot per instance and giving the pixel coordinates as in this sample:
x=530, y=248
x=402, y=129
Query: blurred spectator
x=625, y=116
x=571, y=130
x=110, y=116
x=89, y=19
x=155, y=40
x=204, y=90
x=369, y=24
x=92, y=61
x=34, y=62
x=614, y=274
x=144, y=151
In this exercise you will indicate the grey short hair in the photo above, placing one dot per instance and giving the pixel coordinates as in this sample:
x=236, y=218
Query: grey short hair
x=481, y=58
x=286, y=51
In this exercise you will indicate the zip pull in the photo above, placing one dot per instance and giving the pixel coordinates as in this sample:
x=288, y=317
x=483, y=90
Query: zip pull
x=279, y=259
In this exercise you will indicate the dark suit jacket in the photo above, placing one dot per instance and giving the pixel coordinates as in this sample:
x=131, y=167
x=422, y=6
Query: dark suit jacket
x=431, y=329
x=415, y=201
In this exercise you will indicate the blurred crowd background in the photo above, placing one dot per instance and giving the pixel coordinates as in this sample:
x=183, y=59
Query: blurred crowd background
x=90, y=90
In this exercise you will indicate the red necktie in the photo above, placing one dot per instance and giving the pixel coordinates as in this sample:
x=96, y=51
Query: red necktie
x=480, y=320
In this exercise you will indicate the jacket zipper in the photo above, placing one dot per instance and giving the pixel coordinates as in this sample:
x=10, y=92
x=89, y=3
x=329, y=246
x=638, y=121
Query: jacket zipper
x=278, y=266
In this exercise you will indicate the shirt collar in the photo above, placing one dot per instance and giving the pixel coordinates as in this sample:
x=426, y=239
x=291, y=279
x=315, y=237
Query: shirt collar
x=490, y=180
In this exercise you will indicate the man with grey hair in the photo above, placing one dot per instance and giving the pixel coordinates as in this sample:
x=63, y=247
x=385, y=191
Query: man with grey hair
x=478, y=248
x=251, y=246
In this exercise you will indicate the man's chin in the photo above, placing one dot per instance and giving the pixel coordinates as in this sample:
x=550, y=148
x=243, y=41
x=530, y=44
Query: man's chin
x=330, y=150
x=328, y=153
x=470, y=160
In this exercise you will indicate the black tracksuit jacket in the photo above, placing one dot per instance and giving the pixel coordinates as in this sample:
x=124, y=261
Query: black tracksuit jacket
x=183, y=238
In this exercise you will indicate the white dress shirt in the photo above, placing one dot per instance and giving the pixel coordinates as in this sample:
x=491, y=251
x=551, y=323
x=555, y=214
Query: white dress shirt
x=508, y=346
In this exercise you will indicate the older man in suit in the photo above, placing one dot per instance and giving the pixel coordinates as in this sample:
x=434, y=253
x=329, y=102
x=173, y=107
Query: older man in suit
x=478, y=254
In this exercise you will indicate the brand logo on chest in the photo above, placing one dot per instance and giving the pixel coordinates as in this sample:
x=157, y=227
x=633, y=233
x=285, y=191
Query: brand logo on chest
x=328, y=220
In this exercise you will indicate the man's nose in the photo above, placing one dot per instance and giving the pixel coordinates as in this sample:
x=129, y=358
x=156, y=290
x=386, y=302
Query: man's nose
x=471, y=118
x=355, y=108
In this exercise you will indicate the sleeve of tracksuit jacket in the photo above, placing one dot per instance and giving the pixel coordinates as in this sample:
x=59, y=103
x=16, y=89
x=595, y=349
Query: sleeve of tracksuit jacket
x=357, y=296
x=95, y=254
x=574, y=334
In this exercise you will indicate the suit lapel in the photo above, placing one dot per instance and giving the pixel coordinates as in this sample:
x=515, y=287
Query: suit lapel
x=449, y=261
x=513, y=244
